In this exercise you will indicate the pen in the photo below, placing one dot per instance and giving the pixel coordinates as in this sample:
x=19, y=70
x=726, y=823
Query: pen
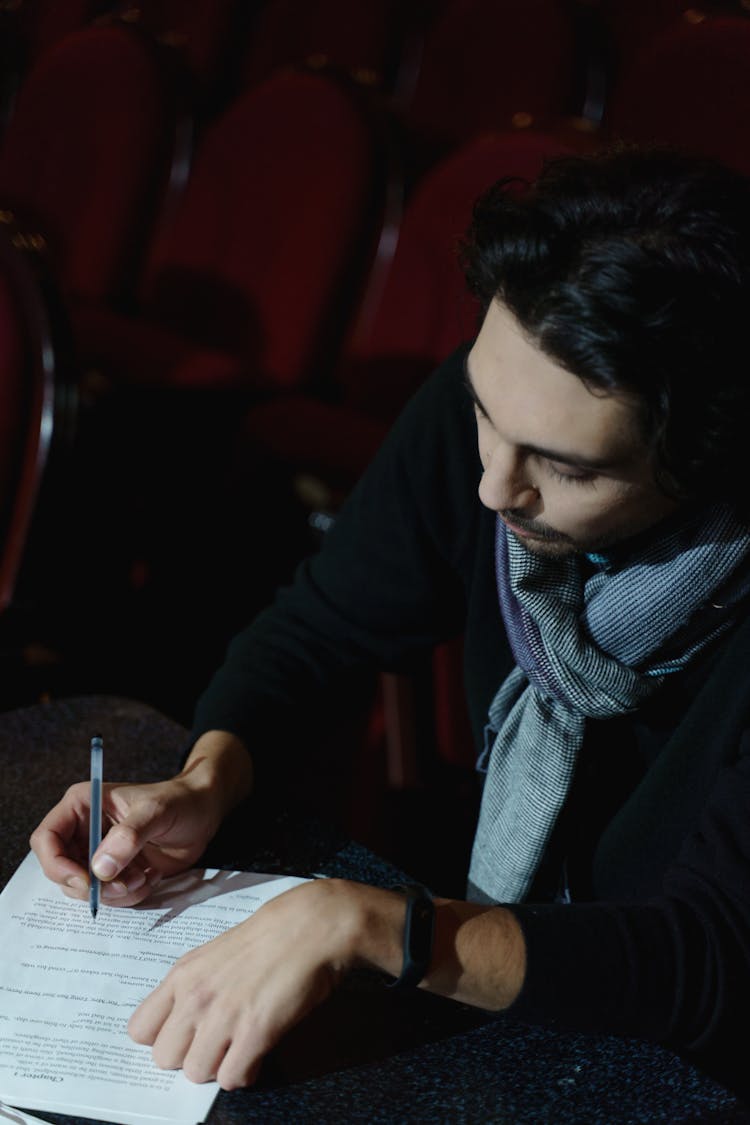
x=95, y=820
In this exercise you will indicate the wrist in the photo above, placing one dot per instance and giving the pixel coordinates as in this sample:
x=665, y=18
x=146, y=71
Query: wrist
x=374, y=929
x=478, y=957
x=220, y=769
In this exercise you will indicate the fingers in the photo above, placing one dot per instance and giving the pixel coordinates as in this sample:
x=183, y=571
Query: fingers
x=232, y=1062
x=60, y=841
x=59, y=867
x=240, y=1066
x=61, y=844
x=151, y=1014
x=133, y=885
x=126, y=838
x=183, y=1038
x=176, y=1035
x=163, y=826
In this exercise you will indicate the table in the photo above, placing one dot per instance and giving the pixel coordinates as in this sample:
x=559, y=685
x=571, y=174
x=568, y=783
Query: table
x=368, y=1055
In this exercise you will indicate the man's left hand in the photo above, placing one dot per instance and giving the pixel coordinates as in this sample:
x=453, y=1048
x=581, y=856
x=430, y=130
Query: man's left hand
x=224, y=1005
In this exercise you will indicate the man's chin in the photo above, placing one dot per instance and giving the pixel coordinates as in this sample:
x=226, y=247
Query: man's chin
x=548, y=548
x=550, y=545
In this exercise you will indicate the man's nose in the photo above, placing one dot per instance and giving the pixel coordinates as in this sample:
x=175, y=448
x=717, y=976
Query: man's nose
x=505, y=483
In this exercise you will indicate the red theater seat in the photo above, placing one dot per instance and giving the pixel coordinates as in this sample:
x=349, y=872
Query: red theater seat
x=409, y=320
x=690, y=86
x=245, y=289
x=86, y=153
x=43, y=23
x=631, y=25
x=201, y=31
x=492, y=64
x=365, y=40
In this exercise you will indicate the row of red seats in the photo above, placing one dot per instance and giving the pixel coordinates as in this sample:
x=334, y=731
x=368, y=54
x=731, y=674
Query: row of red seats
x=203, y=298
x=386, y=45
x=555, y=56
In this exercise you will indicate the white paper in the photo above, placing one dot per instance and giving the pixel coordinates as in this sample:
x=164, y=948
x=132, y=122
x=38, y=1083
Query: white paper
x=68, y=985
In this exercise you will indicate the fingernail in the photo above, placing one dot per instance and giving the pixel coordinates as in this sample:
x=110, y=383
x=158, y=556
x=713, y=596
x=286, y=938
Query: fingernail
x=135, y=881
x=104, y=867
x=76, y=883
x=114, y=890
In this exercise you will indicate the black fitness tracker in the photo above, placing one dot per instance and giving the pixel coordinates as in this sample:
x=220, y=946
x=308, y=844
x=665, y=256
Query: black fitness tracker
x=419, y=930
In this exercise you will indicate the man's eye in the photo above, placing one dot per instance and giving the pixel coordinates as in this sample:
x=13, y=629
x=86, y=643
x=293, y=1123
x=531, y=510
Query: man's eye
x=580, y=477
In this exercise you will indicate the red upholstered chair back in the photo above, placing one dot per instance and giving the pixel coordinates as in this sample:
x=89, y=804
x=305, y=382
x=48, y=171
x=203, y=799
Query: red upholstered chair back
x=199, y=29
x=425, y=311
x=365, y=40
x=690, y=86
x=493, y=64
x=26, y=406
x=88, y=145
x=45, y=22
x=275, y=209
x=630, y=25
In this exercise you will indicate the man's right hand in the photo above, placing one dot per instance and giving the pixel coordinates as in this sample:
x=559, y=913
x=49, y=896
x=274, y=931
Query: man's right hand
x=156, y=829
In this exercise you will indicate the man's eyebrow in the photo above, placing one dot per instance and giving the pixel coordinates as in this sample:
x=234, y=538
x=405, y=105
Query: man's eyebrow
x=574, y=460
x=471, y=389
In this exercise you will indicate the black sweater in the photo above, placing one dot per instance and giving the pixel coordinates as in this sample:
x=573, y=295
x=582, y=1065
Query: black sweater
x=656, y=942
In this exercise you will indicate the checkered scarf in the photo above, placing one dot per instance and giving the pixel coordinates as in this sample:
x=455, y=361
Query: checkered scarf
x=589, y=648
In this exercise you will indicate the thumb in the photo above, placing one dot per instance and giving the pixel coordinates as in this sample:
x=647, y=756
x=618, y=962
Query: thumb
x=126, y=839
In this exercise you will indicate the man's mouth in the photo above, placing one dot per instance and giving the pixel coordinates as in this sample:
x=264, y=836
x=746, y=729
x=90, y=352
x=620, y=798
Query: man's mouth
x=529, y=530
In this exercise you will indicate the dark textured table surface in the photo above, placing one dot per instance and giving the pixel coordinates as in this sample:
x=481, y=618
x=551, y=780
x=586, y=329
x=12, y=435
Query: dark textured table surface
x=369, y=1055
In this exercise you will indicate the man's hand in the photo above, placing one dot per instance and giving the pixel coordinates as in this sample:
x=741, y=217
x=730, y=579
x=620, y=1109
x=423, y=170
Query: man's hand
x=156, y=829
x=223, y=1006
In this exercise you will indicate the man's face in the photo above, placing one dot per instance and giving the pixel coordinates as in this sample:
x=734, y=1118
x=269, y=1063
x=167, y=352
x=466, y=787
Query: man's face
x=567, y=469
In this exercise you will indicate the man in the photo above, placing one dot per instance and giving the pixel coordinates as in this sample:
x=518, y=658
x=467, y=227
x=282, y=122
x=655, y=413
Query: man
x=608, y=395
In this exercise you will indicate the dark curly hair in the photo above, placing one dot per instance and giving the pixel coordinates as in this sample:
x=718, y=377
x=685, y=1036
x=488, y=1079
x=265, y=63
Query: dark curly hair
x=631, y=269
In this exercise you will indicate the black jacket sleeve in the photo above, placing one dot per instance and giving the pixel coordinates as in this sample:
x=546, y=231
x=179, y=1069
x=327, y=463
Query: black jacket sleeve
x=380, y=590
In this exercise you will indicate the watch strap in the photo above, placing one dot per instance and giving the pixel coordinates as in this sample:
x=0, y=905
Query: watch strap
x=419, y=932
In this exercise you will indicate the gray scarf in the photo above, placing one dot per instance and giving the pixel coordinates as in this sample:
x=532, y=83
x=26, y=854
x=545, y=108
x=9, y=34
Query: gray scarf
x=591, y=647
